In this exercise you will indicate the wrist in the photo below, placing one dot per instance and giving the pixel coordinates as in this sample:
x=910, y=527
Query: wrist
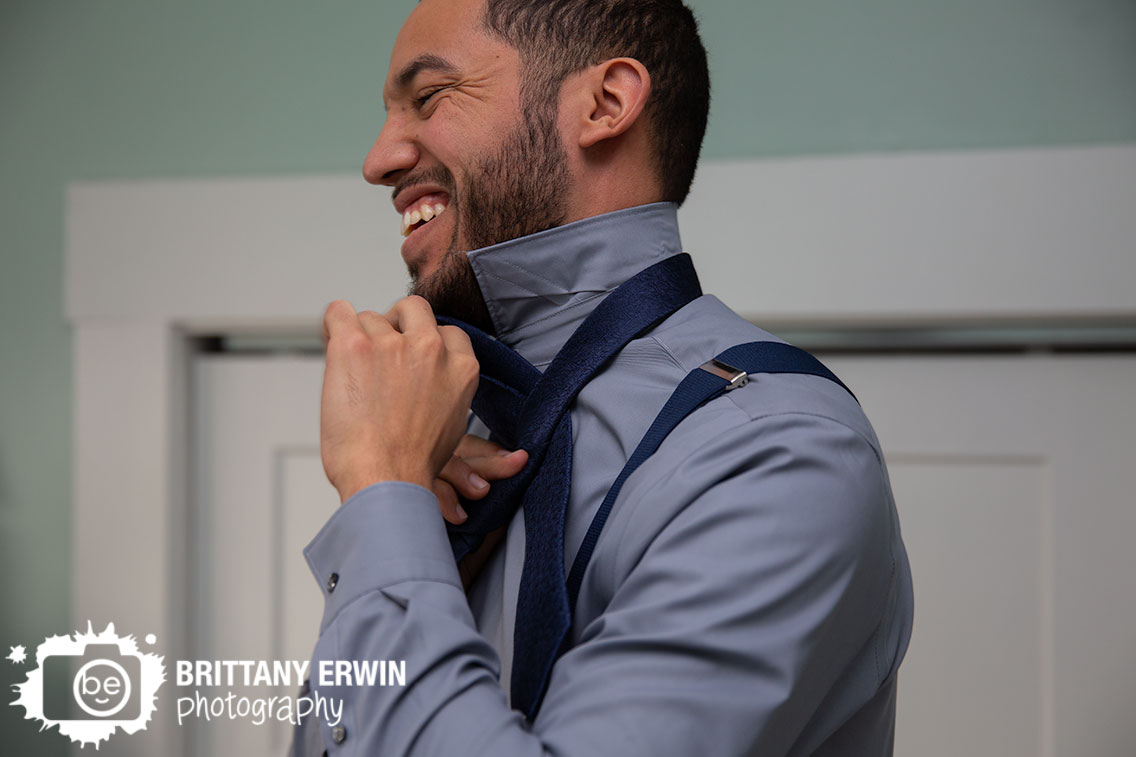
x=357, y=483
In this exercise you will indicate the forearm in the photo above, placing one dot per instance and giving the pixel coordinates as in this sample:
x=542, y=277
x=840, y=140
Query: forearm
x=397, y=597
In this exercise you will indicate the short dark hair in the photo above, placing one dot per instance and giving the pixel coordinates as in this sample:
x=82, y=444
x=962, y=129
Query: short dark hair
x=557, y=38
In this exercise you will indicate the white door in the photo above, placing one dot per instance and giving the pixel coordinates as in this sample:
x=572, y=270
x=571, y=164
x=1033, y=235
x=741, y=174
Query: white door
x=260, y=495
x=1014, y=478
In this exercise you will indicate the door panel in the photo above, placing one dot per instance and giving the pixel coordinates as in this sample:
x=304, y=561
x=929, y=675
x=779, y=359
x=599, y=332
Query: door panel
x=260, y=497
x=1015, y=483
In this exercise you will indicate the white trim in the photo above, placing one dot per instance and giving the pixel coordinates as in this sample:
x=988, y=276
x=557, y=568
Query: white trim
x=872, y=238
x=130, y=520
x=893, y=239
x=890, y=239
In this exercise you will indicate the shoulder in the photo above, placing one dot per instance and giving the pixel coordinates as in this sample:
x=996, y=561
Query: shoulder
x=788, y=474
x=791, y=458
x=706, y=327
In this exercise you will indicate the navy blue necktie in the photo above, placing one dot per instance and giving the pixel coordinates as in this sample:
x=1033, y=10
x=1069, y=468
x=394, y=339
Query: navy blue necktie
x=528, y=410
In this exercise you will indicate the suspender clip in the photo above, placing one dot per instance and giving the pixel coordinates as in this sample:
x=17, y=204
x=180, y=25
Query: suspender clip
x=734, y=376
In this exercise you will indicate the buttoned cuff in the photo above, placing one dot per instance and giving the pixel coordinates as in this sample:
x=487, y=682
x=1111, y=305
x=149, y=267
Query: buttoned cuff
x=386, y=534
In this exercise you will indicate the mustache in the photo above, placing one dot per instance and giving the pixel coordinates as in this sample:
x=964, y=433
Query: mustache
x=439, y=175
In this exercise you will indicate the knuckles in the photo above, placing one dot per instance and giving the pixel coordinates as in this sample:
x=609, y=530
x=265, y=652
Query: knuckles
x=338, y=306
x=467, y=363
x=468, y=369
x=358, y=344
x=429, y=354
x=431, y=343
x=388, y=343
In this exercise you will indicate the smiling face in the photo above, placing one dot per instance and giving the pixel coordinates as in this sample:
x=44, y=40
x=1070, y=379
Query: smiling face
x=468, y=166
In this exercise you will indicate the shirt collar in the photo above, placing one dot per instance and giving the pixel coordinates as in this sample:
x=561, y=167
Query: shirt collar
x=539, y=288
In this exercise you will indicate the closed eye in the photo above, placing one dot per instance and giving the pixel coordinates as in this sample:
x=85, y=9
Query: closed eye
x=422, y=101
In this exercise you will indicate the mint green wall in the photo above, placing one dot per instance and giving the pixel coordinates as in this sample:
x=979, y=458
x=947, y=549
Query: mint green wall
x=822, y=76
x=97, y=89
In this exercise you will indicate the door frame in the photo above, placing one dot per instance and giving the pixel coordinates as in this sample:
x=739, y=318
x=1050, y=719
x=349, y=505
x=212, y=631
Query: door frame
x=1021, y=236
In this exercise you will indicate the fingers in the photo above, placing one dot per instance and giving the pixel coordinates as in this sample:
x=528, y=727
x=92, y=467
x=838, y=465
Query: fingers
x=448, y=502
x=456, y=340
x=470, y=475
x=338, y=317
x=489, y=459
x=460, y=475
x=469, y=472
x=412, y=313
x=472, y=445
x=374, y=324
x=496, y=467
x=409, y=314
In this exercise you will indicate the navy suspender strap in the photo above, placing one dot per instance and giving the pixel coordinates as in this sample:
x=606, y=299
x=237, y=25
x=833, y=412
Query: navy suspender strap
x=729, y=370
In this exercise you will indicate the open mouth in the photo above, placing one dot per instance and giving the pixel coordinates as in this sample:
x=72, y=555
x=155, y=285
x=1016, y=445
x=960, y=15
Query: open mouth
x=424, y=210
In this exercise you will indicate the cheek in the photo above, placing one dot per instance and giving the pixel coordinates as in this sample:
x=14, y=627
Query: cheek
x=458, y=137
x=451, y=133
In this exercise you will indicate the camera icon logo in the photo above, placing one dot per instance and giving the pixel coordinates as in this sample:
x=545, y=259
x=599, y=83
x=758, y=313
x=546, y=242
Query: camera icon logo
x=104, y=686
x=109, y=685
x=108, y=679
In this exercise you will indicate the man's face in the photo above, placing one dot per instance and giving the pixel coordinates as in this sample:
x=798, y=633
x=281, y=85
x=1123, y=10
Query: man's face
x=468, y=166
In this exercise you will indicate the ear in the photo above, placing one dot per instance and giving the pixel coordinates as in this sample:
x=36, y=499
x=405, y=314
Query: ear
x=617, y=92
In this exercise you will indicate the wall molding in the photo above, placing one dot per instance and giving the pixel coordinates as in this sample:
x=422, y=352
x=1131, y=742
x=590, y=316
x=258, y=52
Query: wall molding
x=872, y=239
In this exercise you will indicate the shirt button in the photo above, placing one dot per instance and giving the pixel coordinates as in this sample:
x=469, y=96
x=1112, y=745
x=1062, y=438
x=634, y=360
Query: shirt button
x=339, y=734
x=332, y=580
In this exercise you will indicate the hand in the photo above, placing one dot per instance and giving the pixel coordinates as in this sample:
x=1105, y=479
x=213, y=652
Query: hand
x=396, y=394
x=474, y=464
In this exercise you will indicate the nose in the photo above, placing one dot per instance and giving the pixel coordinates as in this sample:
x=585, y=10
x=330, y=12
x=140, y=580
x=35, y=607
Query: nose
x=393, y=153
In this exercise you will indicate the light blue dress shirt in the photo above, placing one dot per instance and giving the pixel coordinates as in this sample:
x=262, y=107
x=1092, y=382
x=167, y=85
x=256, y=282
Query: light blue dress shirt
x=749, y=595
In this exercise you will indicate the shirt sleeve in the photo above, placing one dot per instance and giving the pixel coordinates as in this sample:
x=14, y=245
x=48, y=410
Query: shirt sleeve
x=753, y=603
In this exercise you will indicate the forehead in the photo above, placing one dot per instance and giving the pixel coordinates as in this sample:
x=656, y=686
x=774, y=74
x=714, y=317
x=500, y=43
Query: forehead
x=445, y=30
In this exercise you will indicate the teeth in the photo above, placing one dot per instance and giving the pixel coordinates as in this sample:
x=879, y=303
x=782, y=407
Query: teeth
x=424, y=212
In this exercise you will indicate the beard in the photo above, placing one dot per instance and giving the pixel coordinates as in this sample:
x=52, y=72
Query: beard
x=517, y=191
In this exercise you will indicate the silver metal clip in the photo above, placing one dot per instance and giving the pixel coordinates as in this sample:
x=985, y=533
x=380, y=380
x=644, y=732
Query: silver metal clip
x=735, y=376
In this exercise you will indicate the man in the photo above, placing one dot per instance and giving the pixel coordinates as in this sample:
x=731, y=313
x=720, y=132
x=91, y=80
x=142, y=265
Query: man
x=749, y=593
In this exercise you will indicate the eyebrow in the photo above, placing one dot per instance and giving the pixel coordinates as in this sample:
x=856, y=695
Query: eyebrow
x=422, y=63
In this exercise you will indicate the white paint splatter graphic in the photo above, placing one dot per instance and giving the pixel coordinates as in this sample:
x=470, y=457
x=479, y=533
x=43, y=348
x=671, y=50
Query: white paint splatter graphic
x=18, y=654
x=115, y=685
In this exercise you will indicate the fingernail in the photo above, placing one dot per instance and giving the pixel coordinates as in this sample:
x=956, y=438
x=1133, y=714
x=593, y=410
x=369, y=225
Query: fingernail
x=462, y=515
x=477, y=481
x=505, y=452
